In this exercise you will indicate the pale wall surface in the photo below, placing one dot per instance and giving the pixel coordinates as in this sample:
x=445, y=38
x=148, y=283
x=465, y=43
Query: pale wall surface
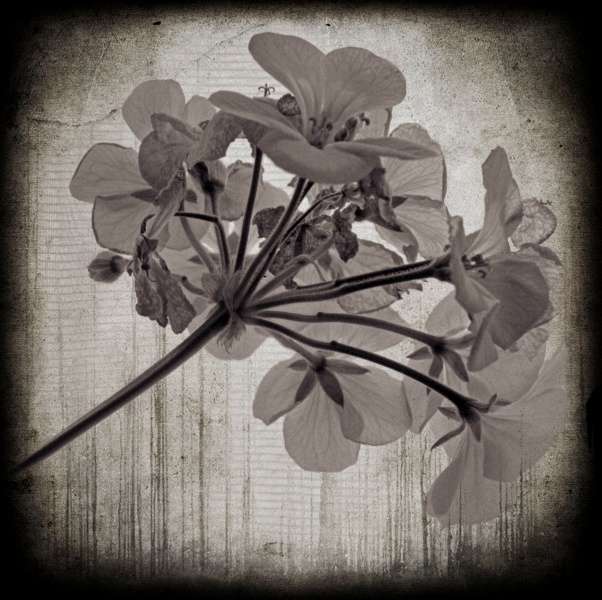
x=184, y=483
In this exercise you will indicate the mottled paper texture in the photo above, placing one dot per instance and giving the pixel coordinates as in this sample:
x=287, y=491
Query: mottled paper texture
x=183, y=485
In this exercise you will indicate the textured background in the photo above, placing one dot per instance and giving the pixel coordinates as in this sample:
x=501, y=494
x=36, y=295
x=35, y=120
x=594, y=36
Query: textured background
x=183, y=487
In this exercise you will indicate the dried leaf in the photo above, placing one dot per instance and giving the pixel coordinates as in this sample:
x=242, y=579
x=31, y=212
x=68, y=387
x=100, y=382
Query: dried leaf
x=537, y=225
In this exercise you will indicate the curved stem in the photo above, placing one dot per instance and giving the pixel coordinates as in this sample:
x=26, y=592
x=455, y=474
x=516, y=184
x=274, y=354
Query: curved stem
x=324, y=317
x=202, y=253
x=463, y=403
x=246, y=223
x=215, y=322
x=349, y=285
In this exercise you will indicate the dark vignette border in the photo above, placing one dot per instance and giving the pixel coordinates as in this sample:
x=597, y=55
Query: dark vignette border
x=24, y=37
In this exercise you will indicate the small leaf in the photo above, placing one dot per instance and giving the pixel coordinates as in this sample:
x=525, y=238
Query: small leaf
x=453, y=359
x=180, y=311
x=345, y=241
x=267, y=219
x=330, y=384
x=448, y=436
x=298, y=365
x=423, y=353
x=306, y=386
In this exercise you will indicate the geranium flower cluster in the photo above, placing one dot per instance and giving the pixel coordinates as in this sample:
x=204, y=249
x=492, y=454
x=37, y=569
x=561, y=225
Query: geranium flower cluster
x=221, y=253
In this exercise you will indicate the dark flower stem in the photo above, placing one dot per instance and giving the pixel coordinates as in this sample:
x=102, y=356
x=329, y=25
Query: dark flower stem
x=306, y=214
x=262, y=261
x=323, y=317
x=224, y=252
x=463, y=403
x=295, y=265
x=246, y=223
x=171, y=361
x=349, y=285
x=202, y=253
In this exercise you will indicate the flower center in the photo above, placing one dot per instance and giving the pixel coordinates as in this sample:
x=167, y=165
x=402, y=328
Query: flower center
x=320, y=131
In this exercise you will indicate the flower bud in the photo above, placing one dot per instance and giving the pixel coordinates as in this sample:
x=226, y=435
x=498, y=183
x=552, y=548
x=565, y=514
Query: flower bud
x=107, y=267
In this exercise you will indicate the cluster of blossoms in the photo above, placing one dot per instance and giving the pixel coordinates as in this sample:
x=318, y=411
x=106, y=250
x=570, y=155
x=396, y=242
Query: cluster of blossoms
x=219, y=252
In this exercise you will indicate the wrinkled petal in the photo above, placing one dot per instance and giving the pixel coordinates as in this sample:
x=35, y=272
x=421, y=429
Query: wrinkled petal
x=381, y=404
x=537, y=225
x=107, y=170
x=216, y=138
x=275, y=395
x=313, y=436
x=151, y=97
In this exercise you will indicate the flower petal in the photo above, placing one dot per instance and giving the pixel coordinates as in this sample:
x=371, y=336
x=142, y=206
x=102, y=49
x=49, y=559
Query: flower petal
x=313, y=436
x=427, y=220
x=178, y=240
x=164, y=150
x=107, y=170
x=393, y=147
x=523, y=298
x=148, y=98
x=242, y=348
x=358, y=81
x=426, y=177
x=447, y=318
x=197, y=111
x=275, y=395
x=116, y=221
x=380, y=401
x=368, y=255
x=517, y=435
x=461, y=495
x=295, y=63
x=255, y=110
x=503, y=206
x=332, y=164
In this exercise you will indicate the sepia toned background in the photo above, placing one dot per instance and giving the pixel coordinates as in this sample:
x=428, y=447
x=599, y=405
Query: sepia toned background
x=183, y=487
